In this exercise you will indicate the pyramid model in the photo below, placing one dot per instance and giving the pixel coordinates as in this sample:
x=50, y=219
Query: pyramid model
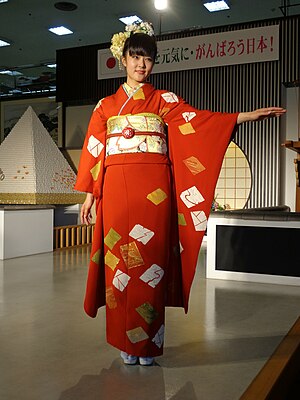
x=32, y=168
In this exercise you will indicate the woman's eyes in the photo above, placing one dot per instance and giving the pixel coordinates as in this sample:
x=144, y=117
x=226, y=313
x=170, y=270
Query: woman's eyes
x=148, y=59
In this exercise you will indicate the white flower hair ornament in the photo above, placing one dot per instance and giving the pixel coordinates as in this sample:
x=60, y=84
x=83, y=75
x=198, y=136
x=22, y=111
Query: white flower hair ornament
x=118, y=39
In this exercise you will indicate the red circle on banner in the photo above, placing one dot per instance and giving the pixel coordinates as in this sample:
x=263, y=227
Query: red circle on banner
x=111, y=62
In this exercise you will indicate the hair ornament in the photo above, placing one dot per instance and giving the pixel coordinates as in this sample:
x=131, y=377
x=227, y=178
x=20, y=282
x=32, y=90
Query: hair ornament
x=118, y=39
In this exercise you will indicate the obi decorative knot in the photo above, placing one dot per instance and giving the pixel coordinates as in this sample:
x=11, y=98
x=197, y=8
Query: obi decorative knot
x=139, y=133
x=128, y=132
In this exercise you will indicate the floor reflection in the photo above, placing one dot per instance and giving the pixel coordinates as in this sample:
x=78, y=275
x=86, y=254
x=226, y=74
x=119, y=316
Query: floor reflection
x=70, y=258
x=127, y=383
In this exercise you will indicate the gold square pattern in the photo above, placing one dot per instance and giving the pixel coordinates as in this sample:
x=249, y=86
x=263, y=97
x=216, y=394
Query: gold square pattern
x=194, y=165
x=95, y=170
x=148, y=312
x=186, y=129
x=163, y=112
x=110, y=260
x=96, y=256
x=110, y=298
x=131, y=255
x=157, y=196
x=139, y=95
x=111, y=238
x=137, y=335
x=181, y=219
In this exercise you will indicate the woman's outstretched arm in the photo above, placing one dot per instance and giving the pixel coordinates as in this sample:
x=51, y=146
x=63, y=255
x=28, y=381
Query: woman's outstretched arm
x=260, y=114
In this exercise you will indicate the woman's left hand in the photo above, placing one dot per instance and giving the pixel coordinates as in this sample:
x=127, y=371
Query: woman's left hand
x=260, y=114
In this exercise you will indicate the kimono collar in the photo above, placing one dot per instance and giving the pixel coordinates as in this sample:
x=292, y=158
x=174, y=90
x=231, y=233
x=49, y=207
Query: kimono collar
x=129, y=90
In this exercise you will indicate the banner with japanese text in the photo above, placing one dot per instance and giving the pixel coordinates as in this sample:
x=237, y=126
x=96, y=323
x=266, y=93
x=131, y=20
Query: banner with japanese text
x=205, y=51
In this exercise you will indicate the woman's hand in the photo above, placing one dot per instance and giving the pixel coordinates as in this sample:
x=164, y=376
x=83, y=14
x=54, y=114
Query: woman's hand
x=85, y=212
x=260, y=114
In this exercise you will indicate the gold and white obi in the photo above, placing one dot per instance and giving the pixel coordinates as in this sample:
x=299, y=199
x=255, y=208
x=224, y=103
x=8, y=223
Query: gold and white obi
x=139, y=133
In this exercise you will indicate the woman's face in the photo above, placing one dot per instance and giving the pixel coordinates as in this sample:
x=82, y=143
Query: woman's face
x=138, y=68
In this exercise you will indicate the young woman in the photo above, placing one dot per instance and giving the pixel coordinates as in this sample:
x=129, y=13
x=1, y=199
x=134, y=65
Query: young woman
x=151, y=163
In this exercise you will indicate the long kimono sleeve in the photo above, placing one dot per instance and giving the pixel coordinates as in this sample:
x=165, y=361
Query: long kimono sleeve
x=197, y=144
x=90, y=170
x=90, y=179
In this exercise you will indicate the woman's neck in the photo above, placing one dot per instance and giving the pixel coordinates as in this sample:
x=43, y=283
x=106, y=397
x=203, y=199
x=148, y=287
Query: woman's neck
x=135, y=85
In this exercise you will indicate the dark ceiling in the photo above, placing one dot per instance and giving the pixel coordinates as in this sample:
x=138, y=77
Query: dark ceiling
x=25, y=23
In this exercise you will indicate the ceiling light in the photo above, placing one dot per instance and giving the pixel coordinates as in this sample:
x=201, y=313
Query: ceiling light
x=60, y=30
x=4, y=43
x=130, y=19
x=11, y=73
x=161, y=4
x=51, y=65
x=3, y=1
x=216, y=5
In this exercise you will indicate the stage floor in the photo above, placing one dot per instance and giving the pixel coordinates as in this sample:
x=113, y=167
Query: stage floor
x=50, y=350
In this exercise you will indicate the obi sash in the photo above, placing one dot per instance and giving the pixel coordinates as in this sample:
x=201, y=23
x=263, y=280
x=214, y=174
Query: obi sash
x=139, y=133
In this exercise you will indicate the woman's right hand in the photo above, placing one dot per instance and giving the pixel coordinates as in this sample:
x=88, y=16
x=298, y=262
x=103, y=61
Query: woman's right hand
x=85, y=212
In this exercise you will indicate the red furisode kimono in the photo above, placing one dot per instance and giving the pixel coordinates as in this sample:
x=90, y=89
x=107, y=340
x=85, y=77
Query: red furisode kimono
x=152, y=162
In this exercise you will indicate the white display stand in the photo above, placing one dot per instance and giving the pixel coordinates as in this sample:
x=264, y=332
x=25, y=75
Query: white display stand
x=25, y=230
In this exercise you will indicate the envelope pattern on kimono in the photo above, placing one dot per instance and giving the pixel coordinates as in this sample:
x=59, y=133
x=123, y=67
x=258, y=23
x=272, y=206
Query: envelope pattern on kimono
x=188, y=116
x=199, y=220
x=180, y=247
x=170, y=97
x=120, y=280
x=137, y=335
x=94, y=146
x=153, y=275
x=98, y=104
x=141, y=234
x=191, y=197
x=159, y=337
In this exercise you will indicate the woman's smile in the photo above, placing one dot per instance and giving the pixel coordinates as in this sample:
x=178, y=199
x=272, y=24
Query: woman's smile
x=138, y=68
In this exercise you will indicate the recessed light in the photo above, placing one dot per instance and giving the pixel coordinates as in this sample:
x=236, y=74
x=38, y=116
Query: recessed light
x=216, y=6
x=60, y=30
x=130, y=19
x=4, y=43
x=11, y=73
x=161, y=4
x=65, y=6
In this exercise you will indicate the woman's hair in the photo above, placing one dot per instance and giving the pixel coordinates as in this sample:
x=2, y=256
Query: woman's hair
x=140, y=44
